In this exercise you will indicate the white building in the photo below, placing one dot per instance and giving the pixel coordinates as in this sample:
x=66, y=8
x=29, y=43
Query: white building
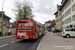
x=68, y=13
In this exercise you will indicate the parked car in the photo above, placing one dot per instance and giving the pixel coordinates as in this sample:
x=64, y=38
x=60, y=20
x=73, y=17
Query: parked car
x=68, y=32
x=56, y=30
x=49, y=30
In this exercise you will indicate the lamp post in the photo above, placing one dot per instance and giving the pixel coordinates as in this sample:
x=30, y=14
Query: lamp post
x=2, y=19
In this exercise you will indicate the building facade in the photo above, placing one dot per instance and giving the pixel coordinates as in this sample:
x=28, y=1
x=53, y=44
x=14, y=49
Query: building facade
x=5, y=22
x=58, y=18
x=68, y=14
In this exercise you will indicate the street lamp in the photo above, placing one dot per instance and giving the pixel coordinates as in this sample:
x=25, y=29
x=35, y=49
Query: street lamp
x=2, y=19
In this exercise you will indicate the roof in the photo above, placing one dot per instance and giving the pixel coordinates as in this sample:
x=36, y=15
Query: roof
x=58, y=9
x=48, y=21
x=63, y=4
x=4, y=14
x=62, y=1
x=11, y=23
x=56, y=12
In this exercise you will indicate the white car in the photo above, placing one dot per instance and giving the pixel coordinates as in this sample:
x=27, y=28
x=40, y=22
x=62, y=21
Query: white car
x=68, y=32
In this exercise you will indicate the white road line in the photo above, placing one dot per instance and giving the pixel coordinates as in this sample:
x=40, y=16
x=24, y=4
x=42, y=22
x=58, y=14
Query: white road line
x=3, y=45
x=12, y=41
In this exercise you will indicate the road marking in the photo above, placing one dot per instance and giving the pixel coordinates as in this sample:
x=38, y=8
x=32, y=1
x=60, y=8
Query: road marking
x=3, y=45
x=12, y=41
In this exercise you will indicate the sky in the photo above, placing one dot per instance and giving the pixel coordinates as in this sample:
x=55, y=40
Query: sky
x=43, y=10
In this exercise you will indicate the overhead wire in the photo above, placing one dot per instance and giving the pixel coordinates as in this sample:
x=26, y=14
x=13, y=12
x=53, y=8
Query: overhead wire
x=38, y=11
x=36, y=6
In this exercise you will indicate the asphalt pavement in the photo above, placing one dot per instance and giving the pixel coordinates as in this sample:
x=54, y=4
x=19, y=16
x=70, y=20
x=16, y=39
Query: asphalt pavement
x=11, y=43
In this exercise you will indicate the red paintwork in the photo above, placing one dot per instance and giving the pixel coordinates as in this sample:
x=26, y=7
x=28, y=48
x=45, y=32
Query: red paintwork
x=29, y=33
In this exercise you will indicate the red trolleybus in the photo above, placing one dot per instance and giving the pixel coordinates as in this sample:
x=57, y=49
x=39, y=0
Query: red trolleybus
x=28, y=29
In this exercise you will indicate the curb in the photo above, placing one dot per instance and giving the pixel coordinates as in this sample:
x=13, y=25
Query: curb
x=40, y=42
x=6, y=36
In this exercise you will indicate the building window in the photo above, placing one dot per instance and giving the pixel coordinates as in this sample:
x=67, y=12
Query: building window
x=63, y=16
x=73, y=18
x=71, y=26
x=68, y=12
x=67, y=26
x=63, y=23
x=74, y=26
x=67, y=20
x=4, y=19
x=67, y=4
x=73, y=7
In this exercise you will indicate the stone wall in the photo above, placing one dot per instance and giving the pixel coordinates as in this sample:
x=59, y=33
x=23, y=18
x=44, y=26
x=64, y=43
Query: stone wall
x=13, y=30
x=6, y=33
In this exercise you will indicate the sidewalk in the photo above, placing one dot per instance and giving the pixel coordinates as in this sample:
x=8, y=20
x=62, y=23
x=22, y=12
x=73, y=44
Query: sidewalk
x=2, y=37
x=52, y=42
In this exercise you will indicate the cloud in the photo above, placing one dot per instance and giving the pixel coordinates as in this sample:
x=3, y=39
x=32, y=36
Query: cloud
x=8, y=5
x=43, y=17
x=44, y=9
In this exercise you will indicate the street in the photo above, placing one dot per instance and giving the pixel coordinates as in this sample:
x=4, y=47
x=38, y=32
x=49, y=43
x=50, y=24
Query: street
x=51, y=41
x=37, y=24
x=17, y=44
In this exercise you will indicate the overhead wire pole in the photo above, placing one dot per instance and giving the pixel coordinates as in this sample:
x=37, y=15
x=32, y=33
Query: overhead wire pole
x=2, y=19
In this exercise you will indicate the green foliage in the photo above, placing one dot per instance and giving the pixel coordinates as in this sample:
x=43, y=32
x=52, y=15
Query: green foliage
x=23, y=10
x=13, y=26
x=52, y=24
x=14, y=22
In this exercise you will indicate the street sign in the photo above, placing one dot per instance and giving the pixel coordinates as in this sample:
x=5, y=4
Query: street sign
x=9, y=30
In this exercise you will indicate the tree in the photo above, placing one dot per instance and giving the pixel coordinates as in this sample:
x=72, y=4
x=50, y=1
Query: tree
x=13, y=24
x=23, y=10
x=52, y=24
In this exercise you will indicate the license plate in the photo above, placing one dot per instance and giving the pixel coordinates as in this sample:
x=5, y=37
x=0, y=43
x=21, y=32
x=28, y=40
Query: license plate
x=21, y=34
